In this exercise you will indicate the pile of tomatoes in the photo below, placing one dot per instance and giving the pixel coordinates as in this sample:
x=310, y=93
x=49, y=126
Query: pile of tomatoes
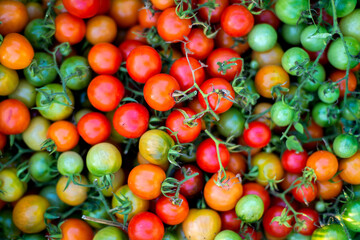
x=179, y=119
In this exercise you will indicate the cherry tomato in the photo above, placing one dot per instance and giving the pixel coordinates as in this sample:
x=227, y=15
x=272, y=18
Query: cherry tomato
x=199, y=45
x=9, y=81
x=110, y=232
x=147, y=18
x=13, y=17
x=125, y=12
x=338, y=77
x=350, y=169
x=331, y=231
x=14, y=117
x=270, y=57
x=310, y=221
x=64, y=135
x=105, y=58
x=237, y=21
x=237, y=164
x=305, y=193
x=69, y=28
x=230, y=221
x=269, y=17
x=136, y=32
x=289, y=12
x=117, y=180
x=250, y=208
x=100, y=29
x=257, y=35
x=94, y=128
x=223, y=55
x=34, y=10
x=11, y=186
x=104, y=6
x=73, y=195
x=127, y=46
x=224, y=40
x=274, y=228
x=329, y=190
x=207, y=157
x=171, y=27
x=337, y=54
x=172, y=213
x=269, y=167
x=293, y=161
x=257, y=135
x=268, y=77
x=36, y=133
x=288, y=179
x=324, y=163
x=215, y=14
x=257, y=189
x=73, y=228
x=192, y=186
x=146, y=226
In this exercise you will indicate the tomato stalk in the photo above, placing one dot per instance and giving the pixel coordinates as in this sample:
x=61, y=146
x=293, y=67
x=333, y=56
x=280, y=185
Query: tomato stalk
x=21, y=151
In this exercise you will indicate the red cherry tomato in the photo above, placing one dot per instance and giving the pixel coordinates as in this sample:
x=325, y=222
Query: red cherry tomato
x=311, y=221
x=192, y=186
x=69, y=28
x=294, y=162
x=170, y=213
x=82, y=8
x=268, y=17
x=215, y=13
x=221, y=55
x=230, y=221
x=207, y=158
x=198, y=45
x=146, y=226
x=127, y=46
x=237, y=20
x=105, y=58
x=94, y=128
x=305, y=194
x=171, y=27
x=257, y=135
x=14, y=117
x=274, y=228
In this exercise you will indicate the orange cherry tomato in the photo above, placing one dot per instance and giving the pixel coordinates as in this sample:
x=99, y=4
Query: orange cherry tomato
x=64, y=135
x=224, y=40
x=350, y=168
x=270, y=57
x=69, y=28
x=101, y=29
x=199, y=45
x=324, y=163
x=136, y=32
x=265, y=118
x=74, y=195
x=237, y=164
x=125, y=12
x=268, y=77
x=162, y=4
x=315, y=132
x=73, y=228
x=328, y=190
x=339, y=76
x=14, y=117
x=289, y=178
x=16, y=51
x=145, y=181
x=147, y=19
x=13, y=17
x=105, y=58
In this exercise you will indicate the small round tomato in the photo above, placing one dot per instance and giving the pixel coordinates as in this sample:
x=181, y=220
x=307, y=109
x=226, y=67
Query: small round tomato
x=237, y=164
x=70, y=163
x=305, y=193
x=328, y=93
x=321, y=116
x=337, y=54
x=250, y=208
x=310, y=221
x=146, y=226
x=105, y=58
x=138, y=204
x=231, y=123
x=268, y=77
x=312, y=83
x=172, y=213
x=351, y=215
x=158, y=91
x=41, y=71
x=125, y=12
x=82, y=8
x=314, y=131
x=73, y=228
x=345, y=145
x=64, y=135
x=331, y=231
x=16, y=51
x=289, y=11
x=313, y=44
x=269, y=167
x=324, y=163
x=223, y=198
x=118, y=179
x=351, y=110
x=49, y=192
x=220, y=101
x=94, y=128
x=13, y=17
x=270, y=57
x=100, y=29
x=10, y=185
x=339, y=78
x=292, y=33
x=223, y=55
x=213, y=15
x=257, y=35
x=192, y=186
x=230, y=221
x=9, y=80
x=145, y=181
x=185, y=131
x=127, y=46
x=171, y=27
x=293, y=57
x=288, y=179
x=142, y=63
x=105, y=92
x=269, y=17
x=110, y=232
x=343, y=8
x=329, y=190
x=199, y=46
x=36, y=133
x=69, y=28
x=40, y=165
x=182, y=70
x=73, y=195
x=259, y=190
x=224, y=40
x=349, y=24
x=274, y=228
x=148, y=19
x=282, y=114
x=136, y=32
x=257, y=135
x=35, y=32
x=207, y=157
x=14, y=117
x=76, y=71
x=237, y=20
x=350, y=169
x=34, y=10
x=227, y=234
x=293, y=161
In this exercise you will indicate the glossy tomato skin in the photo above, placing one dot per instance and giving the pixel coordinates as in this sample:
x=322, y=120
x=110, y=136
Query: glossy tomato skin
x=350, y=169
x=338, y=76
x=274, y=228
x=131, y=120
x=146, y=226
x=36, y=133
x=324, y=163
x=311, y=220
x=259, y=190
x=224, y=40
x=9, y=80
x=206, y=156
x=221, y=55
x=13, y=17
x=16, y=51
x=217, y=83
x=199, y=45
x=69, y=28
x=147, y=60
x=237, y=164
x=105, y=58
x=269, y=167
x=64, y=134
x=176, y=123
x=216, y=13
x=257, y=135
x=14, y=117
x=11, y=185
x=237, y=21
x=230, y=221
x=147, y=19
x=270, y=57
x=94, y=128
x=269, y=17
x=293, y=161
x=328, y=190
x=305, y=193
x=125, y=12
x=101, y=29
x=170, y=213
x=105, y=92
x=171, y=27
x=74, y=228
x=110, y=232
x=192, y=186
x=73, y=195
x=331, y=231
x=182, y=72
x=158, y=91
x=82, y=8
x=268, y=77
x=78, y=66
x=127, y=46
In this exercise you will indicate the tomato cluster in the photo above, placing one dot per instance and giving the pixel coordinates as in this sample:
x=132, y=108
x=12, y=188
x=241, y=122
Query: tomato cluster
x=178, y=119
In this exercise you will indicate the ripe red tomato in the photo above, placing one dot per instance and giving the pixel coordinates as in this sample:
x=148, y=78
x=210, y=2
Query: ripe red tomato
x=69, y=28
x=94, y=128
x=237, y=164
x=311, y=221
x=142, y=63
x=218, y=102
x=82, y=8
x=274, y=228
x=257, y=135
x=131, y=120
x=147, y=19
x=14, y=117
x=305, y=194
x=182, y=72
x=207, y=158
x=198, y=45
x=221, y=55
x=230, y=221
x=257, y=189
x=276, y=201
x=158, y=91
x=186, y=132
x=338, y=75
x=105, y=58
x=171, y=213
x=268, y=17
x=237, y=20
x=171, y=27
x=104, y=6
x=192, y=186
x=105, y=92
x=64, y=135
x=146, y=226
x=215, y=13
x=293, y=161
x=3, y=141
x=127, y=46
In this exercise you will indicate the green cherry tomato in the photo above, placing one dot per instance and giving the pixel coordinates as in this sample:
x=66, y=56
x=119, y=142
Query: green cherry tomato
x=231, y=123
x=38, y=34
x=11, y=187
x=352, y=109
x=51, y=104
x=25, y=92
x=262, y=37
x=345, y=145
x=36, y=133
x=40, y=167
x=9, y=80
x=49, y=192
x=309, y=40
x=325, y=115
x=351, y=215
x=70, y=163
x=297, y=236
x=97, y=210
x=343, y=7
x=282, y=114
x=329, y=93
x=250, y=208
x=337, y=53
x=350, y=25
x=315, y=79
x=294, y=57
x=41, y=71
x=320, y=206
x=227, y=235
x=7, y=226
x=110, y=233
x=289, y=11
x=291, y=33
x=329, y=232
x=76, y=72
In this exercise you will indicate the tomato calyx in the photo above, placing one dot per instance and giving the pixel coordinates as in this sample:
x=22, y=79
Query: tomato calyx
x=125, y=207
x=284, y=218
